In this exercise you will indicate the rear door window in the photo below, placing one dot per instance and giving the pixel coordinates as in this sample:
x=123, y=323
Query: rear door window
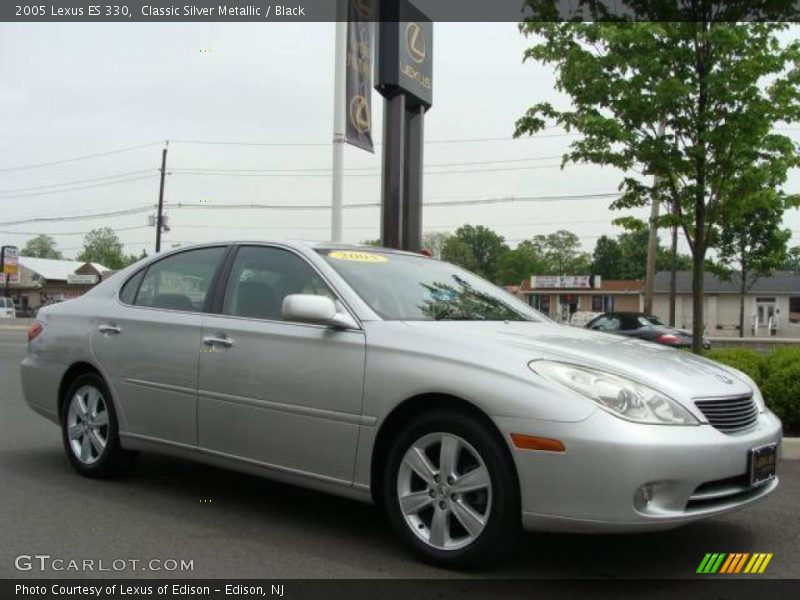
x=181, y=281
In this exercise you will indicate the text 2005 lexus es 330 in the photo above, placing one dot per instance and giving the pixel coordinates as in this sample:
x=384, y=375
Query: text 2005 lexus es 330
x=395, y=378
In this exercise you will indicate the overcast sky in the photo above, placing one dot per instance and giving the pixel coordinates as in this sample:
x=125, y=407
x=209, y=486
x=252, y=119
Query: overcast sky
x=76, y=89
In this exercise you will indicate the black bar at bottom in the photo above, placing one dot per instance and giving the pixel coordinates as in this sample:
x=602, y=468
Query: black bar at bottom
x=394, y=589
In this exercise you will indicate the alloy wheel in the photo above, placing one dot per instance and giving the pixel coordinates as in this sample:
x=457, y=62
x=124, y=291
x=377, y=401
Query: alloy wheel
x=445, y=491
x=87, y=424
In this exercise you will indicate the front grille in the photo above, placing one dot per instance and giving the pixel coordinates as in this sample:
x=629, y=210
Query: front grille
x=729, y=414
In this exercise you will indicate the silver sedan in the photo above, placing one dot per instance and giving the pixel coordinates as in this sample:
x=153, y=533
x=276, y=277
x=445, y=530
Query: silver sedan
x=393, y=378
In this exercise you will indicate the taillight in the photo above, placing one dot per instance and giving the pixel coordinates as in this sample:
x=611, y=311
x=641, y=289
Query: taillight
x=34, y=330
x=668, y=338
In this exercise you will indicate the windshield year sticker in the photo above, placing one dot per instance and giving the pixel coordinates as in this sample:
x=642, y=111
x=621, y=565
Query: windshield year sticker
x=355, y=256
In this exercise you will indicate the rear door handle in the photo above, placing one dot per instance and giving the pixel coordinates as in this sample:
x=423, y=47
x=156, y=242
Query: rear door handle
x=218, y=341
x=109, y=328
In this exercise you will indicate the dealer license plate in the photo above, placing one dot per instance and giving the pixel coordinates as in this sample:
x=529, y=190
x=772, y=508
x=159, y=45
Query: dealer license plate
x=762, y=463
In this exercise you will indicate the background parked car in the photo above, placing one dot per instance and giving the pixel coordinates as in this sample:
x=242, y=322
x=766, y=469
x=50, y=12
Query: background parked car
x=7, y=310
x=644, y=327
x=582, y=317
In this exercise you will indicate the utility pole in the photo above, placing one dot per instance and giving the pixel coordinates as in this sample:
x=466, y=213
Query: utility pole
x=673, y=275
x=160, y=215
x=340, y=52
x=652, y=242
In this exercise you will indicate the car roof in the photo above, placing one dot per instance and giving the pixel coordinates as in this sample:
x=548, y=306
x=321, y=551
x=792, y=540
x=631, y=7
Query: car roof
x=314, y=245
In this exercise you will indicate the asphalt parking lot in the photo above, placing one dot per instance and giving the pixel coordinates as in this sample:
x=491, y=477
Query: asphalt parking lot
x=231, y=525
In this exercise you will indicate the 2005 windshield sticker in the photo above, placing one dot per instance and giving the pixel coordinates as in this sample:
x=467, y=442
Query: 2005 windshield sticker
x=356, y=256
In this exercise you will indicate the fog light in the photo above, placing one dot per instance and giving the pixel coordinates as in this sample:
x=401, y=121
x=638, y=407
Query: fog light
x=643, y=496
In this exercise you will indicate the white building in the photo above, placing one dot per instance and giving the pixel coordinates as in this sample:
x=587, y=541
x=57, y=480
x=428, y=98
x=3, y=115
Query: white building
x=777, y=296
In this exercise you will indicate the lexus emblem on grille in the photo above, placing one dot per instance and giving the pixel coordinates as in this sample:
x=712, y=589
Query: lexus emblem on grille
x=724, y=378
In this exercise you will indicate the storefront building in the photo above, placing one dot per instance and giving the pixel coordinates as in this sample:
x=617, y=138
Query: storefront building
x=560, y=296
x=44, y=281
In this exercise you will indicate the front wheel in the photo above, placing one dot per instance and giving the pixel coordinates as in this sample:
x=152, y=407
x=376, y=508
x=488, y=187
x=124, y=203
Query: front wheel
x=450, y=491
x=89, y=429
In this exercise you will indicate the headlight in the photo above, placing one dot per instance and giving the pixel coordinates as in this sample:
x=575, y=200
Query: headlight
x=619, y=396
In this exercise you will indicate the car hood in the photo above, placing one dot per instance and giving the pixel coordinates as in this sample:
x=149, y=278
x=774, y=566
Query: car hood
x=678, y=373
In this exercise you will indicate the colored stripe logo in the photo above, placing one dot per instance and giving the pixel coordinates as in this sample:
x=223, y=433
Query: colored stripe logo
x=734, y=562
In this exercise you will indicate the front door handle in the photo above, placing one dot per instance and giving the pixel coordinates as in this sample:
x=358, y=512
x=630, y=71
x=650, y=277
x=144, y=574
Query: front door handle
x=109, y=328
x=218, y=341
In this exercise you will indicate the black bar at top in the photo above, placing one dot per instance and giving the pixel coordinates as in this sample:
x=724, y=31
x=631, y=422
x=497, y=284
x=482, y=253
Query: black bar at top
x=140, y=11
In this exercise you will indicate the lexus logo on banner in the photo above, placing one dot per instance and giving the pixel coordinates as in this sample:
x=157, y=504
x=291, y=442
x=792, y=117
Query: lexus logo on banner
x=358, y=85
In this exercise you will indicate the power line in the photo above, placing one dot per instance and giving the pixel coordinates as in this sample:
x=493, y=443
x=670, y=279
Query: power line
x=296, y=144
x=77, y=188
x=301, y=207
x=83, y=217
x=431, y=227
x=377, y=143
x=475, y=201
x=79, y=158
x=232, y=173
x=58, y=233
x=141, y=243
x=75, y=181
x=328, y=169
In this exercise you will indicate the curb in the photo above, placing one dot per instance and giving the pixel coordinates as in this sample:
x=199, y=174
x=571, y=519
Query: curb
x=790, y=448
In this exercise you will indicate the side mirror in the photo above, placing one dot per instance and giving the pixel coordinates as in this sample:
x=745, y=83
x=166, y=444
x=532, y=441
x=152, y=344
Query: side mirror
x=320, y=310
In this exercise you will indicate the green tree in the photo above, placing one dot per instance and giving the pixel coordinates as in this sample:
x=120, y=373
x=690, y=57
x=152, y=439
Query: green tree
x=41, y=246
x=562, y=251
x=434, y=241
x=626, y=257
x=607, y=257
x=103, y=246
x=792, y=262
x=476, y=248
x=718, y=88
x=520, y=263
x=751, y=241
x=132, y=258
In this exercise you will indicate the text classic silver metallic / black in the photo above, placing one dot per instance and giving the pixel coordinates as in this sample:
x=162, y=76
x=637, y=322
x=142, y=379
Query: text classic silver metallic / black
x=395, y=378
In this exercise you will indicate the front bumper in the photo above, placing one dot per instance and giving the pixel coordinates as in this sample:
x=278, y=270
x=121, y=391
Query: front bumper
x=591, y=486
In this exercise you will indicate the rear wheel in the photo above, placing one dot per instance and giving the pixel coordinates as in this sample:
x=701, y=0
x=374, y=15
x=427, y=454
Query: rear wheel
x=450, y=491
x=90, y=431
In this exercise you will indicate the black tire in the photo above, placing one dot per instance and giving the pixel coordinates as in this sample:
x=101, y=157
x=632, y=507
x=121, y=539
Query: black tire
x=502, y=528
x=113, y=460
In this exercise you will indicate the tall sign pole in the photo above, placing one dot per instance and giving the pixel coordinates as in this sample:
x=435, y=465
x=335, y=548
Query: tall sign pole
x=405, y=79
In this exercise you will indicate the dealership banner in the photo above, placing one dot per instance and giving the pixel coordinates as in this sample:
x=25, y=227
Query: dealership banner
x=358, y=85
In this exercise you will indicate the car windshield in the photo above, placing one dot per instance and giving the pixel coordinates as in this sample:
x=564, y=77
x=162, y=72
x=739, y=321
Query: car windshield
x=400, y=287
x=654, y=320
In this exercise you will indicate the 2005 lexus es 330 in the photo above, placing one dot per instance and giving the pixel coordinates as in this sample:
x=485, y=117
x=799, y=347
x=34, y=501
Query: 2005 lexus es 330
x=399, y=379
